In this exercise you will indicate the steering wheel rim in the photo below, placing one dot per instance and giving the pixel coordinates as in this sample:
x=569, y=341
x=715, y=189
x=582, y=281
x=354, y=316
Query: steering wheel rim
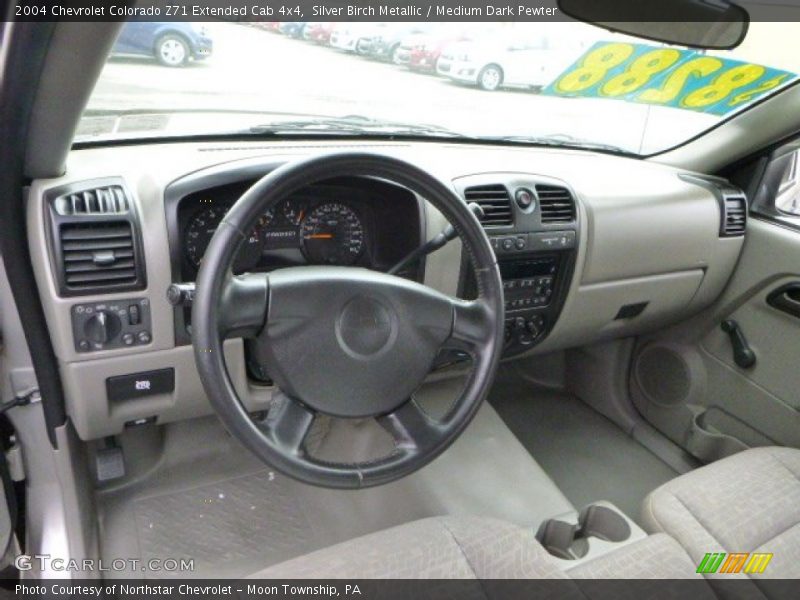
x=260, y=306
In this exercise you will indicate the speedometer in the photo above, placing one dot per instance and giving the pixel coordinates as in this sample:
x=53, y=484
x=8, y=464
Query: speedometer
x=333, y=235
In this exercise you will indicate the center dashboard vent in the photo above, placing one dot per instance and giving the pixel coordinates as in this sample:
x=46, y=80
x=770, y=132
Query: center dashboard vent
x=555, y=203
x=734, y=215
x=96, y=242
x=495, y=202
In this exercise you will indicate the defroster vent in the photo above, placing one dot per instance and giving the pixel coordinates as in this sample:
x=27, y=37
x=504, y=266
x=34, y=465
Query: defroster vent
x=109, y=199
x=495, y=202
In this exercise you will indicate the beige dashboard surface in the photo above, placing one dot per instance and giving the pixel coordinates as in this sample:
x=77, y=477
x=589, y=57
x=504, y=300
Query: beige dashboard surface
x=644, y=235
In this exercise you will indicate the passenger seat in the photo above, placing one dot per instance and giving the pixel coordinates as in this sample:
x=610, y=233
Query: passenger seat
x=746, y=503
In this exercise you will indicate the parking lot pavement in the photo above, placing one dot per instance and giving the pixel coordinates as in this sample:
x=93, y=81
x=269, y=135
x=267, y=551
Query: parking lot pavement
x=252, y=69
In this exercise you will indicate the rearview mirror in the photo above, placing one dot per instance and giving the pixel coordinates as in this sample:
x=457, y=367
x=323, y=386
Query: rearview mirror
x=712, y=24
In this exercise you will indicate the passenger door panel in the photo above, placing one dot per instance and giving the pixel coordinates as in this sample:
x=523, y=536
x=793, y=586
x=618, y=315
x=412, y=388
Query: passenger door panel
x=774, y=337
x=721, y=407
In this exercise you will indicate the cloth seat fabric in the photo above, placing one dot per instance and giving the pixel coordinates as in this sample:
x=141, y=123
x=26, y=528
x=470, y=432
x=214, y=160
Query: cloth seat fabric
x=745, y=503
x=477, y=548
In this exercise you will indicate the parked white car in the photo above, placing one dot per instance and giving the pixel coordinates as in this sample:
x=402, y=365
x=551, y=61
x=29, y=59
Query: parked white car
x=529, y=61
x=350, y=37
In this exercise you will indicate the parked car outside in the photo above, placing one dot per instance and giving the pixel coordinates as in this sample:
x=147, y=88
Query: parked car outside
x=529, y=61
x=411, y=45
x=171, y=44
x=385, y=45
x=319, y=33
x=353, y=37
x=421, y=51
x=273, y=26
x=292, y=29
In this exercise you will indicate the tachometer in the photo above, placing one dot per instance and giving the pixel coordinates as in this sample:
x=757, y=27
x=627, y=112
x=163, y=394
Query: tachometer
x=333, y=234
x=201, y=229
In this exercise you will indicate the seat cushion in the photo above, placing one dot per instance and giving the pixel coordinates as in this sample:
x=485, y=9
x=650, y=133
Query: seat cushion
x=434, y=548
x=748, y=502
x=488, y=549
x=655, y=557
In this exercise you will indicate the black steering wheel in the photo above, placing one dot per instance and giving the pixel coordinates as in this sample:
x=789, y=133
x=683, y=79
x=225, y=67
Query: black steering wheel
x=343, y=341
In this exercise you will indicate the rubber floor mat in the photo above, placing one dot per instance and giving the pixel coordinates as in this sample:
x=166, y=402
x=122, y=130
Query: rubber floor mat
x=224, y=523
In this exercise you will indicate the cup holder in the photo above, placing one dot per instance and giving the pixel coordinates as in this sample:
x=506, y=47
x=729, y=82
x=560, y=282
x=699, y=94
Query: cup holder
x=562, y=539
x=604, y=523
x=570, y=541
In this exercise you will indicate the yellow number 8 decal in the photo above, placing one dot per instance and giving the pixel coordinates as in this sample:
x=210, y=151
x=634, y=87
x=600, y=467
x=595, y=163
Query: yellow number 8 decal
x=723, y=85
x=672, y=87
x=640, y=72
x=594, y=67
x=762, y=87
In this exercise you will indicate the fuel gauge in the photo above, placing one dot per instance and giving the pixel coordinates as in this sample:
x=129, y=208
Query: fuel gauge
x=291, y=211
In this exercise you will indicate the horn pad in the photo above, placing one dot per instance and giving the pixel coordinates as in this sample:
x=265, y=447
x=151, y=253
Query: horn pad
x=351, y=342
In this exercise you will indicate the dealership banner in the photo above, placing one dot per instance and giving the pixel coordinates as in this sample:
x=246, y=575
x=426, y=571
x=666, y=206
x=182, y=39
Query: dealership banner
x=665, y=76
x=357, y=10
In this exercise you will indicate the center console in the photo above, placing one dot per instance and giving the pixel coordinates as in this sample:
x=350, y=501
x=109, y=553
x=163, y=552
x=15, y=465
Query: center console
x=532, y=226
x=579, y=537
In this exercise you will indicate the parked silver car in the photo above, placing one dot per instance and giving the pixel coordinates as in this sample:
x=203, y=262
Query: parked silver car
x=530, y=61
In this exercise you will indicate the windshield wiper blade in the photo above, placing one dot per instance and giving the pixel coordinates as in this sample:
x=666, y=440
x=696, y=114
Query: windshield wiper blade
x=563, y=141
x=353, y=125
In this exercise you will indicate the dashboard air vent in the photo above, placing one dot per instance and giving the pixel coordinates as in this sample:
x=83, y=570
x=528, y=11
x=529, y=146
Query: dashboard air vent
x=98, y=255
x=95, y=238
x=556, y=204
x=495, y=202
x=106, y=200
x=734, y=215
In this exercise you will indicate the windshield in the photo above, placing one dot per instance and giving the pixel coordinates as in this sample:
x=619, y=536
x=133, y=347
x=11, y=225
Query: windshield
x=557, y=83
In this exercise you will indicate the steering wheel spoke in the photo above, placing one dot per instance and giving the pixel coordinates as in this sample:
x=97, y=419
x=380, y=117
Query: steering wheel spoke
x=472, y=325
x=243, y=305
x=411, y=427
x=288, y=423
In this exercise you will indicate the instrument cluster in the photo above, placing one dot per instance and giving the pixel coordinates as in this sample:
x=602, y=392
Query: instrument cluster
x=323, y=225
x=328, y=233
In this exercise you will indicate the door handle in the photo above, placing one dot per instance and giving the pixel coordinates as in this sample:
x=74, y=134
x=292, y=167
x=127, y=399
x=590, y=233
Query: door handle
x=743, y=355
x=786, y=299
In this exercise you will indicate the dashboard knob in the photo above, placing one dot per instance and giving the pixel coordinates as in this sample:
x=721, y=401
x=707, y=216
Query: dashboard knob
x=102, y=327
x=180, y=294
x=524, y=198
x=534, y=326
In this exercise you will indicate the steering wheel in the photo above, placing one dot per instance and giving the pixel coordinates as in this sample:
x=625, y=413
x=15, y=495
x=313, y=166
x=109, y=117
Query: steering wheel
x=344, y=341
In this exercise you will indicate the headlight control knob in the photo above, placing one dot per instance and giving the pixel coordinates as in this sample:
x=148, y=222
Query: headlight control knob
x=102, y=327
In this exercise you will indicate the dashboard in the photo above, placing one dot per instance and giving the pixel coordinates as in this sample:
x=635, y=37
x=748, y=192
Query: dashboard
x=589, y=247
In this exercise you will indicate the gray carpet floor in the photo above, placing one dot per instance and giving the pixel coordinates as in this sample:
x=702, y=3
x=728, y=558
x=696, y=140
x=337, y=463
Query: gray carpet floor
x=587, y=456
